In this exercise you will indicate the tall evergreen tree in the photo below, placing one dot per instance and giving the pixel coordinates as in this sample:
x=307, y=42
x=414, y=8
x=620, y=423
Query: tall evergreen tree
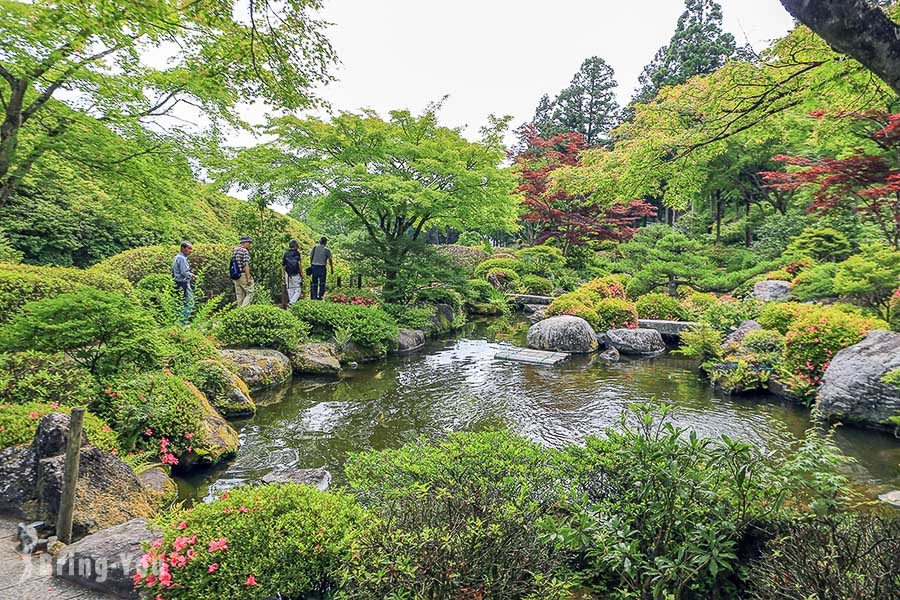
x=698, y=46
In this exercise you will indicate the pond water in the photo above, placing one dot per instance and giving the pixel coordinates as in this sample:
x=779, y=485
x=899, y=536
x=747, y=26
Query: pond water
x=455, y=384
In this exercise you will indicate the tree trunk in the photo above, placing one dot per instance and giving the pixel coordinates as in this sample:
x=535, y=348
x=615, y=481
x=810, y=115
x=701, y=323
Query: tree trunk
x=718, y=200
x=9, y=131
x=856, y=28
x=673, y=286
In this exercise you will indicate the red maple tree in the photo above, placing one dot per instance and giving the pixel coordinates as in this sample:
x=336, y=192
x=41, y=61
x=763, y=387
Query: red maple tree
x=570, y=218
x=867, y=184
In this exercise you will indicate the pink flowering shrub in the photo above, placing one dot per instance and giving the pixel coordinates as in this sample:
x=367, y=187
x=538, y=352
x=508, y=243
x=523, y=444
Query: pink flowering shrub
x=813, y=339
x=253, y=542
x=615, y=313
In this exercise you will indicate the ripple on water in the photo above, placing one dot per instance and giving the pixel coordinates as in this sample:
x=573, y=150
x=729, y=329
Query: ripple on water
x=457, y=385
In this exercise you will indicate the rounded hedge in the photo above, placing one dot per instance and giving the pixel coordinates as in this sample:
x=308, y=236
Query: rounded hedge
x=506, y=264
x=19, y=423
x=535, y=284
x=368, y=326
x=261, y=326
x=615, y=313
x=656, y=305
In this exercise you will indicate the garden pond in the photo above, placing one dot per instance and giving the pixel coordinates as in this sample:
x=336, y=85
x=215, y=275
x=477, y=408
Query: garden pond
x=456, y=384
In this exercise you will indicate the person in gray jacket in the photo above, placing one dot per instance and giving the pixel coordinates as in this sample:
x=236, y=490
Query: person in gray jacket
x=184, y=280
x=319, y=257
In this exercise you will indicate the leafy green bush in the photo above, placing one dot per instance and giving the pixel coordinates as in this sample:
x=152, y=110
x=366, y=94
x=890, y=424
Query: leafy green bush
x=157, y=294
x=478, y=291
x=20, y=284
x=535, y=284
x=765, y=345
x=19, y=422
x=615, y=313
x=727, y=314
x=822, y=244
x=577, y=304
x=812, y=341
x=440, y=294
x=456, y=518
x=780, y=275
x=504, y=263
x=656, y=305
x=37, y=377
x=104, y=332
x=183, y=347
x=780, y=315
x=851, y=556
x=505, y=278
x=208, y=261
x=369, y=327
x=870, y=277
x=262, y=326
x=702, y=342
x=540, y=260
x=815, y=282
x=254, y=541
x=411, y=317
x=609, y=286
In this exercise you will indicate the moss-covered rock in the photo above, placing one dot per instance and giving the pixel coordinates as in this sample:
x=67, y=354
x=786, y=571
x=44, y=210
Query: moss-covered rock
x=227, y=392
x=217, y=439
x=316, y=359
x=161, y=488
x=258, y=367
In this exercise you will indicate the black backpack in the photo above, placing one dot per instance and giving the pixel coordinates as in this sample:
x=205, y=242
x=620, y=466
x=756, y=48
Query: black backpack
x=292, y=263
x=234, y=268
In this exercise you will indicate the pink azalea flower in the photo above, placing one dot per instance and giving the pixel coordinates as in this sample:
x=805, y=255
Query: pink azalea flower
x=217, y=545
x=33, y=415
x=213, y=568
x=137, y=578
x=54, y=405
x=189, y=435
x=151, y=579
x=250, y=580
x=182, y=526
x=148, y=432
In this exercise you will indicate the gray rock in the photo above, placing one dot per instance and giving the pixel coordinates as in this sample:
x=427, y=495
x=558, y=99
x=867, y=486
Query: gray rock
x=159, y=485
x=563, y=334
x=232, y=399
x=319, y=478
x=53, y=435
x=892, y=498
x=533, y=308
x=851, y=387
x=18, y=479
x=316, y=359
x=639, y=342
x=672, y=329
x=770, y=290
x=28, y=538
x=610, y=355
x=260, y=367
x=734, y=339
x=106, y=560
x=410, y=340
x=538, y=315
x=442, y=321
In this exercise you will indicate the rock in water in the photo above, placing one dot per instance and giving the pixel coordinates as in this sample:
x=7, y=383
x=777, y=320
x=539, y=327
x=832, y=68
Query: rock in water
x=217, y=439
x=410, y=340
x=226, y=391
x=852, y=389
x=639, y=342
x=316, y=359
x=610, y=355
x=319, y=478
x=563, y=334
x=734, y=339
x=259, y=367
x=771, y=289
x=106, y=560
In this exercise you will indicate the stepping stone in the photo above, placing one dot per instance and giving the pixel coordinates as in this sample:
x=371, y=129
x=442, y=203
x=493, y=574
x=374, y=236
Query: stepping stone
x=531, y=356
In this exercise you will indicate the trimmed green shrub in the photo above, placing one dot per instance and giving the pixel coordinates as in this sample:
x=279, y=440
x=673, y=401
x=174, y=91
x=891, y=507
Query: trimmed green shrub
x=37, y=377
x=565, y=304
x=104, y=332
x=609, y=286
x=535, y=284
x=812, y=341
x=286, y=540
x=870, y=277
x=440, y=294
x=702, y=342
x=727, y=314
x=505, y=278
x=20, y=284
x=439, y=506
x=478, y=291
x=764, y=345
x=822, y=244
x=504, y=263
x=411, y=317
x=656, y=305
x=261, y=326
x=780, y=315
x=540, y=260
x=780, y=275
x=368, y=326
x=183, y=347
x=157, y=294
x=19, y=423
x=815, y=282
x=615, y=313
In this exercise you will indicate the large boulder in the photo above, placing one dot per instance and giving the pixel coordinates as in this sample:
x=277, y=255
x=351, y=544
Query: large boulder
x=638, y=342
x=320, y=478
x=31, y=478
x=227, y=392
x=157, y=483
x=770, y=290
x=259, y=367
x=563, y=334
x=537, y=315
x=442, y=320
x=852, y=389
x=734, y=339
x=316, y=359
x=217, y=439
x=410, y=340
x=106, y=560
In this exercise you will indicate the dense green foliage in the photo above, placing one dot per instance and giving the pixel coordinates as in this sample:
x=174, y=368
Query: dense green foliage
x=36, y=377
x=263, y=326
x=19, y=423
x=367, y=326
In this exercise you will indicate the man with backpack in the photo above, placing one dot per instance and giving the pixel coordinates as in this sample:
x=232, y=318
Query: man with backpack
x=290, y=264
x=318, y=259
x=240, y=272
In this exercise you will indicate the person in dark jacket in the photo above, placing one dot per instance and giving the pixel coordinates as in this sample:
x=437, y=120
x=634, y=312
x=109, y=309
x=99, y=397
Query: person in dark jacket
x=291, y=266
x=319, y=257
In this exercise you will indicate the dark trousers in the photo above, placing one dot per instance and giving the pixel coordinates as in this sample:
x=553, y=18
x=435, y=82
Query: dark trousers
x=317, y=284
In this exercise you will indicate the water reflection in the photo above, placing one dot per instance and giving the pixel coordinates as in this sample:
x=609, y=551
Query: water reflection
x=457, y=385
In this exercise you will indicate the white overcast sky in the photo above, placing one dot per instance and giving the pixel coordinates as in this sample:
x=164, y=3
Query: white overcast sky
x=500, y=56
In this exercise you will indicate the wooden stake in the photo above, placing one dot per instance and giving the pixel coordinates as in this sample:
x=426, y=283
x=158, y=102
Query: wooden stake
x=70, y=477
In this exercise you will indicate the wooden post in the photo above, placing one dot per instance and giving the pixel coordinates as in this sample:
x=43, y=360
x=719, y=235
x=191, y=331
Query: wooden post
x=359, y=281
x=70, y=477
x=338, y=281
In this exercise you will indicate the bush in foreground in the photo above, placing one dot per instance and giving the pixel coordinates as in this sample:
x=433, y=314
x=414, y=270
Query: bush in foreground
x=657, y=305
x=261, y=326
x=37, y=377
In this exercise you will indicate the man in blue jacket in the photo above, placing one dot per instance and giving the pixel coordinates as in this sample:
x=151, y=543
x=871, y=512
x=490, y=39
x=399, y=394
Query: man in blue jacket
x=184, y=280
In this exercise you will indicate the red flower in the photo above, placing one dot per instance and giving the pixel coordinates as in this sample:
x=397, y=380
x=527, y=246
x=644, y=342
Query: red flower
x=182, y=526
x=250, y=580
x=220, y=544
x=212, y=568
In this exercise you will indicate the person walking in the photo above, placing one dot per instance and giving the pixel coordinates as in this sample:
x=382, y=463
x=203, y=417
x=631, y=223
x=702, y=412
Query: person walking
x=184, y=280
x=241, y=274
x=318, y=259
x=293, y=275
